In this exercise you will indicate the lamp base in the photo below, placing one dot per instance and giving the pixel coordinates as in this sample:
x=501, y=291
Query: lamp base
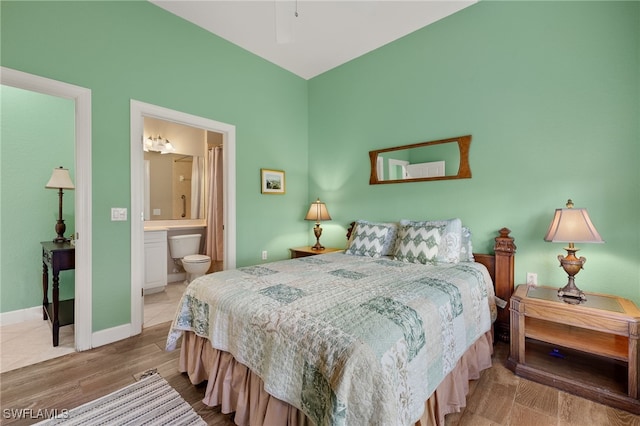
x=317, y=246
x=60, y=229
x=571, y=291
x=317, y=231
x=571, y=265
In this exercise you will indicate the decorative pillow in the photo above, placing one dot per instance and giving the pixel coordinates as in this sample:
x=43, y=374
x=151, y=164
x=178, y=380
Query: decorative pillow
x=418, y=243
x=450, y=245
x=466, y=248
x=372, y=239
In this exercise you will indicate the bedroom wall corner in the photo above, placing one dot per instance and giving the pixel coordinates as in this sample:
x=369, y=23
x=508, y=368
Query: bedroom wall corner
x=549, y=91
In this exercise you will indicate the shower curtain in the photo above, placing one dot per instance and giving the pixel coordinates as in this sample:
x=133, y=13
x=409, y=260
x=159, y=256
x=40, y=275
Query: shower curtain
x=197, y=175
x=215, y=238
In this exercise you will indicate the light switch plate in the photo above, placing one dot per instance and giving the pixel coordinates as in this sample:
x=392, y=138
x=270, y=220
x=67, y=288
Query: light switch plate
x=118, y=214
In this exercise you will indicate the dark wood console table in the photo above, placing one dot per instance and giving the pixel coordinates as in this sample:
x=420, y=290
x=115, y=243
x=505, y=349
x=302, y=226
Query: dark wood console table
x=60, y=257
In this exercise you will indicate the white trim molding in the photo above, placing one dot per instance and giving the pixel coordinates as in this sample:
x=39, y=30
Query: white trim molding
x=21, y=315
x=82, y=98
x=139, y=110
x=110, y=335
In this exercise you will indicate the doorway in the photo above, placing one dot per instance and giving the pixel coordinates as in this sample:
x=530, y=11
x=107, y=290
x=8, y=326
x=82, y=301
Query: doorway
x=139, y=112
x=183, y=181
x=82, y=209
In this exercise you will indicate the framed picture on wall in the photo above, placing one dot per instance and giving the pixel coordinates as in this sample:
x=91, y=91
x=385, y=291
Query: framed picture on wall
x=272, y=181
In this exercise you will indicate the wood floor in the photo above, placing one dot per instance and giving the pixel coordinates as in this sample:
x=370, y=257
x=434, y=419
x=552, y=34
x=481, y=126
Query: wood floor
x=498, y=398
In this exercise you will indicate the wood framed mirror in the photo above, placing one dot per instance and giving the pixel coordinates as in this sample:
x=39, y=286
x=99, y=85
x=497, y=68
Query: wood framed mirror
x=424, y=161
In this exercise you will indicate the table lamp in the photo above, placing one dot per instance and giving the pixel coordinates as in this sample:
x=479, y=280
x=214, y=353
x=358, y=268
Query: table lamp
x=317, y=212
x=60, y=180
x=572, y=226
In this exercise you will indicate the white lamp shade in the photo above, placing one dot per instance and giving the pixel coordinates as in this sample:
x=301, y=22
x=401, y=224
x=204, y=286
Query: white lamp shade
x=572, y=226
x=317, y=212
x=60, y=179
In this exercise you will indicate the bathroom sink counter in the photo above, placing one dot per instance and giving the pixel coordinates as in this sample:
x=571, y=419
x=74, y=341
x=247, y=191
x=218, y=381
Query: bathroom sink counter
x=174, y=224
x=155, y=228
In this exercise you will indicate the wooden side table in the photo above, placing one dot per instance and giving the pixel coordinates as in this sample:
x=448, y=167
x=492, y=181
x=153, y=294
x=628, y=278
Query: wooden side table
x=60, y=257
x=308, y=251
x=588, y=349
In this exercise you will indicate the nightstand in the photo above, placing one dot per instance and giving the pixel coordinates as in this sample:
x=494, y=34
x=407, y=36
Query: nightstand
x=57, y=257
x=308, y=251
x=588, y=349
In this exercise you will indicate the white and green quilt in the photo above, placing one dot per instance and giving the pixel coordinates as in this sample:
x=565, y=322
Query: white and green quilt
x=349, y=340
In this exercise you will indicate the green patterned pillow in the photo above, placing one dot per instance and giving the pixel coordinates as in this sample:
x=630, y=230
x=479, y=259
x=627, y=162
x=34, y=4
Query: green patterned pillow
x=450, y=246
x=418, y=243
x=368, y=240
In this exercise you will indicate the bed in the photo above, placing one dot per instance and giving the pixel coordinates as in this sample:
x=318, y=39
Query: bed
x=388, y=332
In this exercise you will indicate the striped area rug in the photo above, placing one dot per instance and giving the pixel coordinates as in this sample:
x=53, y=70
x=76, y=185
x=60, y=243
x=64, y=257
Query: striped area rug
x=150, y=401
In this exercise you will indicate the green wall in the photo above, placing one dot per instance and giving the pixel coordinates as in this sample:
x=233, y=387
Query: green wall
x=36, y=136
x=135, y=50
x=550, y=92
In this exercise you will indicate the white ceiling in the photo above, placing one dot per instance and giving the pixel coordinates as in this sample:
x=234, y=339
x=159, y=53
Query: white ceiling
x=324, y=35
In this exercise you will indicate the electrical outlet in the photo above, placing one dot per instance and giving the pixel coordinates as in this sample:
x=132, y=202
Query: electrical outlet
x=532, y=278
x=264, y=255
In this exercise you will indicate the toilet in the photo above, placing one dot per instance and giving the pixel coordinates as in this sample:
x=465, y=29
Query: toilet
x=184, y=250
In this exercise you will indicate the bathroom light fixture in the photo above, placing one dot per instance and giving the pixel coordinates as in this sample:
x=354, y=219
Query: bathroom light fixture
x=317, y=212
x=572, y=226
x=163, y=146
x=60, y=180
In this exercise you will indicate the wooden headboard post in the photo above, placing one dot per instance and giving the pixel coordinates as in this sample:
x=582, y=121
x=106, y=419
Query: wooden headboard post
x=504, y=251
x=501, y=268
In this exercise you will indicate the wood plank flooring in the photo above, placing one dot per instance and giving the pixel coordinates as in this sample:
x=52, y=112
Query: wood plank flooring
x=497, y=398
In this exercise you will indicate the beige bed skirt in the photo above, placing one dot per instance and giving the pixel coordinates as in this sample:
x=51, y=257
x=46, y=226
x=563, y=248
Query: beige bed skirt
x=234, y=388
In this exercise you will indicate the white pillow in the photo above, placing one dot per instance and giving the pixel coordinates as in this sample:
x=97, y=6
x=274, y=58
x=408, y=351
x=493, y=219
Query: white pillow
x=466, y=248
x=418, y=243
x=372, y=239
x=450, y=244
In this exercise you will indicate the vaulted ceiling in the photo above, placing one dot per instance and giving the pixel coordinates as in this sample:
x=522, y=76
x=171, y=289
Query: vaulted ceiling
x=309, y=37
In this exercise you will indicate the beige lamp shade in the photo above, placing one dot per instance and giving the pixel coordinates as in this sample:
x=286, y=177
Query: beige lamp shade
x=317, y=212
x=572, y=226
x=60, y=179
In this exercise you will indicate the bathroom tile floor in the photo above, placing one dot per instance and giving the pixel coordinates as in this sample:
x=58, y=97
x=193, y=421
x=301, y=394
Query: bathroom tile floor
x=161, y=307
x=30, y=342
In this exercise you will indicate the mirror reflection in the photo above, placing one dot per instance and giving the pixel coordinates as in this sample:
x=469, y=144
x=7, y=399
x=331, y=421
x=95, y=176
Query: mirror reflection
x=170, y=179
x=435, y=160
x=175, y=169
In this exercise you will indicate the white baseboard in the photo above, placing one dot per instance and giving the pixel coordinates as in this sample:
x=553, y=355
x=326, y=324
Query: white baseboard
x=179, y=276
x=99, y=338
x=152, y=290
x=21, y=315
x=110, y=335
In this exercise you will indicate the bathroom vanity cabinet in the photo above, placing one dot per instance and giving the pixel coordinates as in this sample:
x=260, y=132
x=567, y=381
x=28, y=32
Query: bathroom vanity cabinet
x=155, y=261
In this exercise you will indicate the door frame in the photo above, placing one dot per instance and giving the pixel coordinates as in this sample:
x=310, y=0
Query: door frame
x=83, y=237
x=139, y=110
